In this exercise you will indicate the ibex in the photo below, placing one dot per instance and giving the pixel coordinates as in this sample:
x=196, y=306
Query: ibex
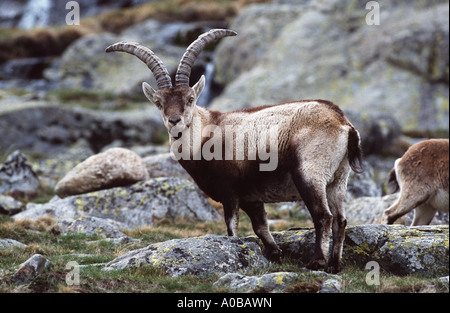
x=422, y=177
x=315, y=146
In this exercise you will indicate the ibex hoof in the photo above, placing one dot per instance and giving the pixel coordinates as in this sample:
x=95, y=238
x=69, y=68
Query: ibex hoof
x=274, y=255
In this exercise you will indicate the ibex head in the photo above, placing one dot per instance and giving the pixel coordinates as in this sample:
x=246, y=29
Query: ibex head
x=176, y=103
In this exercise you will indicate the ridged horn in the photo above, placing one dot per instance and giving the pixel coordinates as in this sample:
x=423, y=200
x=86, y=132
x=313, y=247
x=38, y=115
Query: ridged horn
x=147, y=56
x=192, y=52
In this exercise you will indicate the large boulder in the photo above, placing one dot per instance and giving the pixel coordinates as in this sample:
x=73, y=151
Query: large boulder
x=112, y=168
x=47, y=129
x=398, y=250
x=329, y=52
x=196, y=256
x=144, y=203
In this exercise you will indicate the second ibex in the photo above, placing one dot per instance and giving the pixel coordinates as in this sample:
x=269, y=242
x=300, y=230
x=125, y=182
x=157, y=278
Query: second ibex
x=316, y=148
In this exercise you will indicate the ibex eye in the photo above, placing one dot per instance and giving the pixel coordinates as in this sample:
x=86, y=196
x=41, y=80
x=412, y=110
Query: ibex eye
x=191, y=100
x=158, y=104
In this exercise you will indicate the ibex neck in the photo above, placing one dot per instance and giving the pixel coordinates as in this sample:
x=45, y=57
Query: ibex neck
x=205, y=116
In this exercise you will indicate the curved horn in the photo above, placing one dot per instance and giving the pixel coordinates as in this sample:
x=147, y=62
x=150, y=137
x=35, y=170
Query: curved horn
x=189, y=57
x=148, y=57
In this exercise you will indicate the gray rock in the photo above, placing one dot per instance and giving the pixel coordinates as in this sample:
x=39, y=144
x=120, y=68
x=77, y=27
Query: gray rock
x=9, y=205
x=331, y=285
x=51, y=170
x=46, y=129
x=369, y=210
x=144, y=203
x=9, y=243
x=17, y=178
x=112, y=168
x=30, y=269
x=86, y=65
x=398, y=67
x=273, y=282
x=363, y=185
x=196, y=256
x=164, y=165
x=399, y=250
x=90, y=225
x=257, y=27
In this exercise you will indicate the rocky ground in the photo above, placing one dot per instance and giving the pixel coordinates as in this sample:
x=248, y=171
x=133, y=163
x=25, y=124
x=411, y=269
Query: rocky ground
x=86, y=173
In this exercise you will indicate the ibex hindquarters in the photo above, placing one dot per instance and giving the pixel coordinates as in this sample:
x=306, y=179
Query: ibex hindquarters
x=422, y=176
x=321, y=180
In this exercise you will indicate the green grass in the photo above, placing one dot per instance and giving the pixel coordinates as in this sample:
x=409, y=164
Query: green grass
x=41, y=236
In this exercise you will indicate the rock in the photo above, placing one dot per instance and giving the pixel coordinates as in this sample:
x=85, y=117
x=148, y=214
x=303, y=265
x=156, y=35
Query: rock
x=9, y=243
x=116, y=241
x=164, y=165
x=113, y=168
x=46, y=129
x=257, y=26
x=399, y=250
x=30, y=269
x=144, y=203
x=17, y=178
x=369, y=210
x=378, y=131
x=331, y=285
x=10, y=206
x=363, y=184
x=273, y=282
x=28, y=68
x=399, y=66
x=51, y=170
x=204, y=255
x=86, y=65
x=91, y=226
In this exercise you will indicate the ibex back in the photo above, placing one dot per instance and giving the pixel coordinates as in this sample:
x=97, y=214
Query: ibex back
x=316, y=147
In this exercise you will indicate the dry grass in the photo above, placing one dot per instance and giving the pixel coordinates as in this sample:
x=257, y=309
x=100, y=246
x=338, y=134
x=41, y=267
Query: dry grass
x=52, y=41
x=39, y=42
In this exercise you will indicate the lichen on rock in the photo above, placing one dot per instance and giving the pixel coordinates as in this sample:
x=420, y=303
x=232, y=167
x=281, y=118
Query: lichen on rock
x=210, y=254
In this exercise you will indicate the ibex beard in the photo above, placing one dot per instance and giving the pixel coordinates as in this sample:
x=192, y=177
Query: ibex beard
x=228, y=142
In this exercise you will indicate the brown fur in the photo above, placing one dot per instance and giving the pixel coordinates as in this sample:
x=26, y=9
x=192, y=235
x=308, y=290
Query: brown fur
x=422, y=175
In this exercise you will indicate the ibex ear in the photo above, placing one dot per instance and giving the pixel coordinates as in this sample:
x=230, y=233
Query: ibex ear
x=148, y=91
x=198, y=87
